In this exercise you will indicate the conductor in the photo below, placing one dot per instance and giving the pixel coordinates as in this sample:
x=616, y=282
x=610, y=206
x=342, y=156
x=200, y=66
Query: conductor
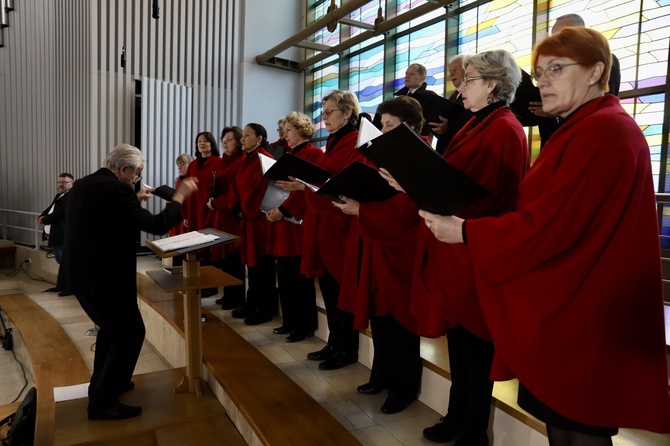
x=104, y=217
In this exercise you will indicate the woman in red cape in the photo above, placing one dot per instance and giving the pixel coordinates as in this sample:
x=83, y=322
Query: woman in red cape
x=325, y=231
x=182, y=163
x=378, y=277
x=570, y=282
x=492, y=149
x=297, y=294
x=227, y=257
x=245, y=198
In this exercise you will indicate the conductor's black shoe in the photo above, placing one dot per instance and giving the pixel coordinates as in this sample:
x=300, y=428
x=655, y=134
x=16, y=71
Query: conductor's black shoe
x=257, y=318
x=208, y=292
x=369, y=389
x=477, y=440
x=118, y=411
x=65, y=293
x=239, y=313
x=127, y=388
x=327, y=352
x=341, y=359
x=281, y=330
x=298, y=336
x=442, y=432
x=53, y=289
x=395, y=406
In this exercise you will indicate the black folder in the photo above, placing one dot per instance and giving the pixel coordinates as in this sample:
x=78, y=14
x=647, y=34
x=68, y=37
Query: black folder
x=434, y=184
x=164, y=192
x=435, y=106
x=358, y=181
x=526, y=93
x=291, y=165
x=274, y=197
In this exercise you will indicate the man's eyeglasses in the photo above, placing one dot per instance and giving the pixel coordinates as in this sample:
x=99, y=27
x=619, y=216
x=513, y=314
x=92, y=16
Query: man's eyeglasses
x=330, y=111
x=466, y=79
x=552, y=72
x=65, y=182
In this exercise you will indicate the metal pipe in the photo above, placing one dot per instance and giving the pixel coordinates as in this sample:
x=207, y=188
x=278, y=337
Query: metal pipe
x=333, y=16
x=381, y=28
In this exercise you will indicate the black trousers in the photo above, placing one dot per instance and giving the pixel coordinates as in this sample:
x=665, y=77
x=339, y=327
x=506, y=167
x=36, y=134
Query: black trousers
x=297, y=295
x=232, y=264
x=397, y=361
x=261, y=294
x=117, y=347
x=470, y=359
x=342, y=335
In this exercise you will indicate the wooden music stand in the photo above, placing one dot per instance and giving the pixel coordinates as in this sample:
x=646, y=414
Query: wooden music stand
x=189, y=283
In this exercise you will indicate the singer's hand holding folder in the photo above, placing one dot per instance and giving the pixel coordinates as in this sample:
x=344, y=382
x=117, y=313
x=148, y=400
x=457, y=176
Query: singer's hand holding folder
x=434, y=184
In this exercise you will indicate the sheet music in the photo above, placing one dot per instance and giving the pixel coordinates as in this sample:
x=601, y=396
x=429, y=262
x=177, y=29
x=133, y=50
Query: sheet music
x=367, y=132
x=266, y=162
x=186, y=240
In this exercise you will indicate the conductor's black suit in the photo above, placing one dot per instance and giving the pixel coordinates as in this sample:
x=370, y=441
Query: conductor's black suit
x=104, y=218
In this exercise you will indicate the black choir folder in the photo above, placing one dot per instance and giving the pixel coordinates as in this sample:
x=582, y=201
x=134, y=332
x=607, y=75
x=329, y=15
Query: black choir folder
x=436, y=106
x=358, y=181
x=164, y=192
x=291, y=165
x=435, y=185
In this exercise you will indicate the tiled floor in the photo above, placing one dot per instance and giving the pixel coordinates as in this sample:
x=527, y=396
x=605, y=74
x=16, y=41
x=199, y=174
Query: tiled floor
x=335, y=390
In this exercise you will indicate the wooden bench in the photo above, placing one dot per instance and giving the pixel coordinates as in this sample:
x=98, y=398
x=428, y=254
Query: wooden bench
x=272, y=404
x=55, y=359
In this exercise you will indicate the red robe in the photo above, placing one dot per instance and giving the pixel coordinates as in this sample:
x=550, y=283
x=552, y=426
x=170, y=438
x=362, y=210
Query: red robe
x=179, y=227
x=221, y=218
x=494, y=152
x=247, y=192
x=570, y=283
x=378, y=271
x=284, y=237
x=195, y=207
x=325, y=227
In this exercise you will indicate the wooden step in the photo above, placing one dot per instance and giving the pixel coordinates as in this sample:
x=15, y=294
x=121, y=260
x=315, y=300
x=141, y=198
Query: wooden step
x=161, y=409
x=214, y=430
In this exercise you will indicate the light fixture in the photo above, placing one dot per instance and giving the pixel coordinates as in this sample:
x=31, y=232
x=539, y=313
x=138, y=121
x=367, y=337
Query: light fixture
x=332, y=26
x=2, y=38
x=4, y=16
x=155, y=10
x=9, y=5
x=380, y=15
x=123, y=57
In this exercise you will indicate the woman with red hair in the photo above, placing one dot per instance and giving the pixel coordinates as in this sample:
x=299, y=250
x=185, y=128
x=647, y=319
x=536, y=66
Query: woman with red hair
x=570, y=282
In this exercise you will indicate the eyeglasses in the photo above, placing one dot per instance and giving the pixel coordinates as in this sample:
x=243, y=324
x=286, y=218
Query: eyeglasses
x=65, y=182
x=330, y=111
x=552, y=72
x=465, y=80
x=227, y=139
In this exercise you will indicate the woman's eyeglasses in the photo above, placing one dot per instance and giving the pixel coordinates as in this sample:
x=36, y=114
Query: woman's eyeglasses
x=552, y=72
x=330, y=111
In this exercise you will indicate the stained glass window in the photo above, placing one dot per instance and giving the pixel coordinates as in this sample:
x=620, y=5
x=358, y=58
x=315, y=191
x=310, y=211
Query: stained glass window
x=426, y=47
x=366, y=78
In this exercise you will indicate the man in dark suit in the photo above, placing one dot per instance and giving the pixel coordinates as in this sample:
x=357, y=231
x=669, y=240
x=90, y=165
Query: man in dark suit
x=53, y=219
x=104, y=217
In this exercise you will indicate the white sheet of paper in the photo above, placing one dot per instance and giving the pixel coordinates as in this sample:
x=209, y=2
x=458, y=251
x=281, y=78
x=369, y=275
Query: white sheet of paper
x=367, y=132
x=266, y=162
x=71, y=392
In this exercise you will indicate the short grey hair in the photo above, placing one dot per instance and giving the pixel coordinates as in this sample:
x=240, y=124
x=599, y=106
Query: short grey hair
x=457, y=58
x=575, y=19
x=346, y=101
x=124, y=155
x=498, y=66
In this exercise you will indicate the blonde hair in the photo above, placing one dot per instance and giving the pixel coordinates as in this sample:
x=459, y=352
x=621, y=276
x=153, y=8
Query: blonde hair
x=302, y=123
x=346, y=101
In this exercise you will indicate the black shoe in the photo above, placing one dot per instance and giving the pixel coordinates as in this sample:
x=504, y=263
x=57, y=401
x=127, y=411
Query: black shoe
x=477, y=440
x=341, y=359
x=257, y=318
x=65, y=293
x=298, y=336
x=281, y=330
x=208, y=292
x=442, y=432
x=118, y=411
x=370, y=389
x=53, y=289
x=395, y=406
x=239, y=313
x=220, y=300
x=325, y=353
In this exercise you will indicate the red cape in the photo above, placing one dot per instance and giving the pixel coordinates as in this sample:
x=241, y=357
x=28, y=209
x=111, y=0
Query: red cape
x=570, y=283
x=195, y=207
x=284, y=237
x=221, y=218
x=494, y=153
x=325, y=227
